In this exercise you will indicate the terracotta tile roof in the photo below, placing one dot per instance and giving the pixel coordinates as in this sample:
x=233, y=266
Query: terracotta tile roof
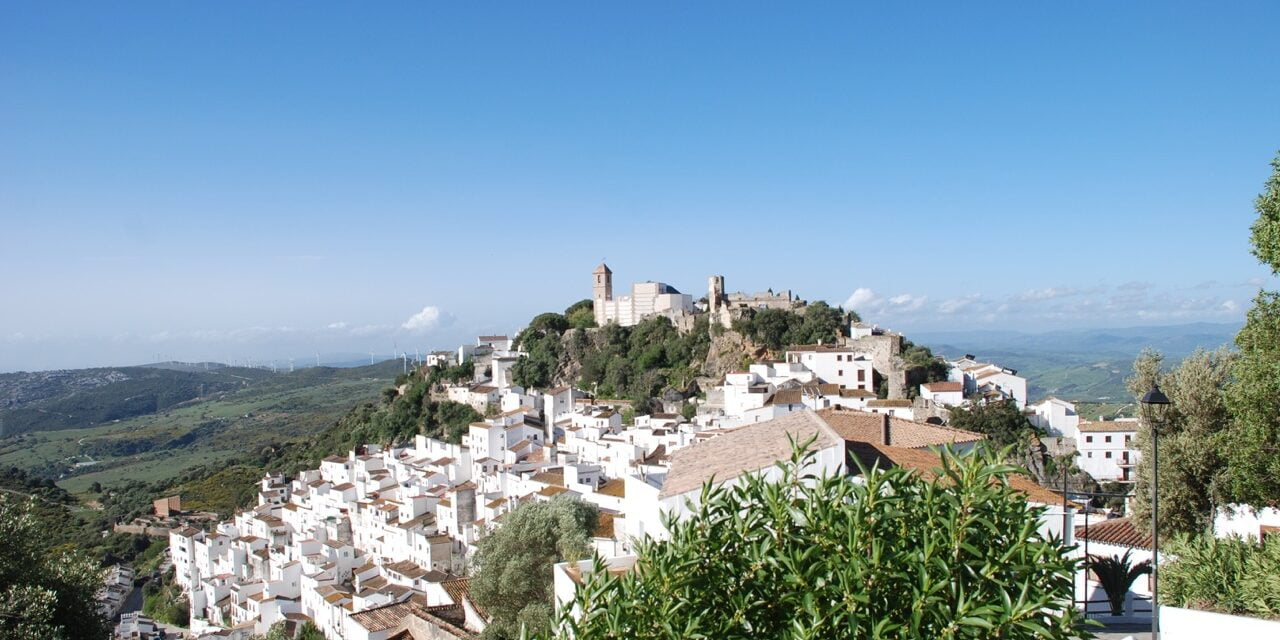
x=856, y=393
x=927, y=465
x=406, y=568
x=459, y=590
x=387, y=616
x=1119, y=531
x=554, y=478
x=744, y=450
x=889, y=403
x=863, y=426
x=659, y=455
x=1109, y=426
x=943, y=387
x=552, y=491
x=615, y=487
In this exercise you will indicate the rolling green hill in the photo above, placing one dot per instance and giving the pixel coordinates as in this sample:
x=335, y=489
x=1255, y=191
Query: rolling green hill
x=52, y=400
x=254, y=410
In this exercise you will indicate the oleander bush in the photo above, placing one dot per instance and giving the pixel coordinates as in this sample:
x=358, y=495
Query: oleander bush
x=896, y=556
x=1227, y=575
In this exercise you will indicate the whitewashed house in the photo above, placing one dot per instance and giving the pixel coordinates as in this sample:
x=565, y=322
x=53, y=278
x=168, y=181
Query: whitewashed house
x=1057, y=417
x=948, y=393
x=844, y=366
x=1107, y=450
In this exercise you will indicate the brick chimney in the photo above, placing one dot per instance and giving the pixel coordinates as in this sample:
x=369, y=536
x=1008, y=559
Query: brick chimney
x=885, y=435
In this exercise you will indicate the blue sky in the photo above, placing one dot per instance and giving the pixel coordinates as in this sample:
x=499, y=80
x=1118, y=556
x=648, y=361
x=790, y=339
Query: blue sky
x=232, y=180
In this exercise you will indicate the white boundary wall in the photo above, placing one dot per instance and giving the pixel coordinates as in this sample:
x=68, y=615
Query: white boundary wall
x=1190, y=624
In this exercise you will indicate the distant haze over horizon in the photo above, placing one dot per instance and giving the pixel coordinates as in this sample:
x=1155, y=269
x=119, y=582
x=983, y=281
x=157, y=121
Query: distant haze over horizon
x=225, y=182
x=1176, y=340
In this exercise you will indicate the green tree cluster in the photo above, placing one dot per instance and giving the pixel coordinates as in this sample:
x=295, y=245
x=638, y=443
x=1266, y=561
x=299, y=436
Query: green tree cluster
x=640, y=362
x=164, y=601
x=581, y=314
x=45, y=593
x=776, y=329
x=1191, y=464
x=1251, y=443
x=543, y=344
x=922, y=366
x=1003, y=422
x=805, y=556
x=513, y=580
x=278, y=631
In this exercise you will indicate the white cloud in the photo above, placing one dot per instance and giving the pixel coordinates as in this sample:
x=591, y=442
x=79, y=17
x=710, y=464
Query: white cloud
x=336, y=326
x=955, y=305
x=425, y=320
x=861, y=298
x=906, y=302
x=1230, y=306
x=1048, y=293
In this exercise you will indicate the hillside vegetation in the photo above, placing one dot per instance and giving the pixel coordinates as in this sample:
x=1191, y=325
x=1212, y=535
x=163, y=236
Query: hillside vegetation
x=52, y=400
x=211, y=430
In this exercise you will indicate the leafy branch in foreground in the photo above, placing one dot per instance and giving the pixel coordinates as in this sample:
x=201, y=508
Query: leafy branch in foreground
x=818, y=556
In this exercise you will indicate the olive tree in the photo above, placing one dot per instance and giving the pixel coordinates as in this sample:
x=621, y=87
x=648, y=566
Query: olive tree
x=45, y=594
x=513, y=579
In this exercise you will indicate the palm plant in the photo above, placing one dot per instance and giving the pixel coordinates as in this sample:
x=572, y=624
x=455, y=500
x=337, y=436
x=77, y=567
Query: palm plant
x=1117, y=574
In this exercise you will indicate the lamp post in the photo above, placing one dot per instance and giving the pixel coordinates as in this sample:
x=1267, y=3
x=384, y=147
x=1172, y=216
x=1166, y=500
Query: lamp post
x=1155, y=406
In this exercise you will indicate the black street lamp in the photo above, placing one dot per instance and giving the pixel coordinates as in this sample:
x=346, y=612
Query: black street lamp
x=1155, y=409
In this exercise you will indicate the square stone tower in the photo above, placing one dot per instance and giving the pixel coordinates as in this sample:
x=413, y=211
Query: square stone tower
x=601, y=292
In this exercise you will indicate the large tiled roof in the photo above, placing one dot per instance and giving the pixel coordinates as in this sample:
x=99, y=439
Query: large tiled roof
x=1119, y=531
x=1109, y=426
x=744, y=450
x=928, y=464
x=407, y=568
x=553, y=478
x=863, y=426
x=944, y=387
x=459, y=590
x=387, y=616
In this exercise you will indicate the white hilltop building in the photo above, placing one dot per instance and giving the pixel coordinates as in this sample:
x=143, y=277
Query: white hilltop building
x=646, y=299
x=650, y=298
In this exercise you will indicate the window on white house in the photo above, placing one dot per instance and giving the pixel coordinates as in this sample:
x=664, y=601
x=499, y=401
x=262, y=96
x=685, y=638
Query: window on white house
x=1088, y=438
x=1108, y=454
x=1107, y=438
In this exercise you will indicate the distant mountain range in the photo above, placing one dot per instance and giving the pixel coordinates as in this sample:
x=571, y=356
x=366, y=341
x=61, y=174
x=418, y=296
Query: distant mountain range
x=1078, y=364
x=79, y=398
